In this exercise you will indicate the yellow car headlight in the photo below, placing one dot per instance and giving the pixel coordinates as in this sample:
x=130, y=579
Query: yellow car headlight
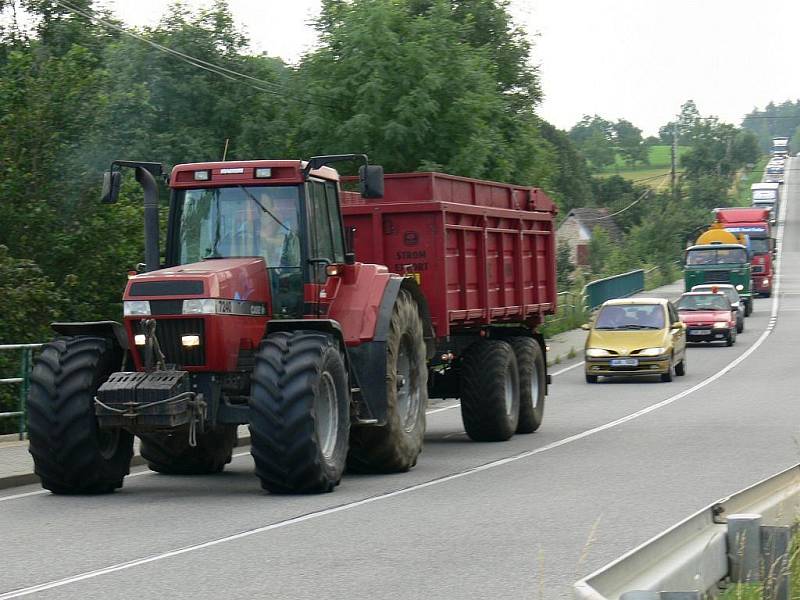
x=653, y=352
x=721, y=325
x=597, y=352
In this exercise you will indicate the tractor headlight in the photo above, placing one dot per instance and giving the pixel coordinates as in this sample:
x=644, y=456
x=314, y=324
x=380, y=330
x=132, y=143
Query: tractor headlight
x=199, y=306
x=133, y=308
x=597, y=352
x=721, y=325
x=765, y=282
x=653, y=352
x=739, y=287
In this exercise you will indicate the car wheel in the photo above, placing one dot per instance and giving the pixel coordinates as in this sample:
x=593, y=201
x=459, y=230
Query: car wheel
x=667, y=377
x=680, y=368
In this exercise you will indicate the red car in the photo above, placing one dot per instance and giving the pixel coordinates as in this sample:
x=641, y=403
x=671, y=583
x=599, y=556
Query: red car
x=709, y=317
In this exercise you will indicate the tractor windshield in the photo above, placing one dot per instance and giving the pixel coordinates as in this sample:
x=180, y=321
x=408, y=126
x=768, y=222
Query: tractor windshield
x=241, y=221
x=245, y=221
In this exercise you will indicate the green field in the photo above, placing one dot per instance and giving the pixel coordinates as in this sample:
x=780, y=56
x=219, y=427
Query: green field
x=655, y=174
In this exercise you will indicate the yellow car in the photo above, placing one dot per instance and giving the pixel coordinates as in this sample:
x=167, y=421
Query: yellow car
x=635, y=336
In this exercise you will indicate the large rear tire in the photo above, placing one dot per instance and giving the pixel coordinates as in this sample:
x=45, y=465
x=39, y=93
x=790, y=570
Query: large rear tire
x=171, y=454
x=490, y=391
x=532, y=383
x=396, y=446
x=299, y=413
x=71, y=454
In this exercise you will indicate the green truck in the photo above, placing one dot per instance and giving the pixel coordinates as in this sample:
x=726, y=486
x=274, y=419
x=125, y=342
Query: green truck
x=720, y=263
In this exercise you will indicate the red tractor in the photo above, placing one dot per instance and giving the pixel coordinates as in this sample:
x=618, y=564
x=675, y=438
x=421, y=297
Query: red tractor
x=261, y=315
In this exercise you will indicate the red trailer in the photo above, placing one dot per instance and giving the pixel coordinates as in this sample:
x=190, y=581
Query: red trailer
x=484, y=256
x=755, y=223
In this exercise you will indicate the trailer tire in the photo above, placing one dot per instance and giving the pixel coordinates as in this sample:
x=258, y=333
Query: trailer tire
x=299, y=413
x=532, y=383
x=171, y=454
x=490, y=391
x=396, y=446
x=71, y=454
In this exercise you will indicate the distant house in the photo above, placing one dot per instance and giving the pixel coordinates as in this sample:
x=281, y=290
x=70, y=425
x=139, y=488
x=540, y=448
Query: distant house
x=577, y=229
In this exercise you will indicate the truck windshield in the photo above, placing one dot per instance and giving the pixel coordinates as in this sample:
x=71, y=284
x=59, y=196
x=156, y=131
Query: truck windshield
x=241, y=221
x=632, y=316
x=714, y=256
x=759, y=245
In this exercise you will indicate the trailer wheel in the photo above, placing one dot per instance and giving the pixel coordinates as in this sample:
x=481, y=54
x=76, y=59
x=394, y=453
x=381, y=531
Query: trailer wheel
x=171, y=454
x=71, y=454
x=395, y=446
x=532, y=383
x=490, y=391
x=299, y=413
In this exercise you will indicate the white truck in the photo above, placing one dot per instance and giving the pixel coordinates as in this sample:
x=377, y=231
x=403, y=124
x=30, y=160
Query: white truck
x=767, y=195
x=780, y=146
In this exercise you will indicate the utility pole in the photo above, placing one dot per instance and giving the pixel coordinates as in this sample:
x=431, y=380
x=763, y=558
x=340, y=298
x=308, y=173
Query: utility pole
x=674, y=170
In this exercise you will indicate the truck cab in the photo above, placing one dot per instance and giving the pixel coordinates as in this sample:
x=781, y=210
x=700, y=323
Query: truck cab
x=720, y=263
x=754, y=223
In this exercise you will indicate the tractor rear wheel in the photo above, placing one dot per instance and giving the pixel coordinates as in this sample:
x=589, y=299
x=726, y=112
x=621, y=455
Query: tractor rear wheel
x=395, y=446
x=71, y=454
x=299, y=413
x=490, y=391
x=171, y=454
x=532, y=383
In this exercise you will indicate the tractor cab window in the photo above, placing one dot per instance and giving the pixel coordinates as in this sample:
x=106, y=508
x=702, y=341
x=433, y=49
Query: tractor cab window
x=325, y=226
x=245, y=221
x=241, y=221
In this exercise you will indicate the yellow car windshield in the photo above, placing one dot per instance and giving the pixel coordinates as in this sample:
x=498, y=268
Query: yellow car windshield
x=633, y=316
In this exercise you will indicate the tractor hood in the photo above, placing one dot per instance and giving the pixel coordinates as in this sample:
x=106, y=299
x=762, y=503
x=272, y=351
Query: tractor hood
x=224, y=278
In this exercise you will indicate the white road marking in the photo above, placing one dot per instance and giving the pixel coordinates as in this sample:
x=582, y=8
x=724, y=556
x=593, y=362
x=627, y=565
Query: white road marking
x=569, y=368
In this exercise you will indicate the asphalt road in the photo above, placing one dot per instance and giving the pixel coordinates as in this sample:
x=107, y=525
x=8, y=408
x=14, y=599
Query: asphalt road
x=614, y=464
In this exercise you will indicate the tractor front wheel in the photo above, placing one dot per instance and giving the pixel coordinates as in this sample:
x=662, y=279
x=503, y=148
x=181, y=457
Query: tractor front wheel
x=299, y=413
x=71, y=454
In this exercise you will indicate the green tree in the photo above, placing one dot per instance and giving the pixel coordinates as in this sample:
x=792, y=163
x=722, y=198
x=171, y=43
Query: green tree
x=599, y=250
x=413, y=85
x=564, y=266
x=630, y=144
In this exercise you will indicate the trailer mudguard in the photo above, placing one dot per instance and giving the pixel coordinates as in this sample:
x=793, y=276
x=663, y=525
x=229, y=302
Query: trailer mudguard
x=107, y=329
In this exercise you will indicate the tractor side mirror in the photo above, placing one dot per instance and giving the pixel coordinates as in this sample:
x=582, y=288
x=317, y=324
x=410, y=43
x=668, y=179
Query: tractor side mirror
x=370, y=179
x=111, y=183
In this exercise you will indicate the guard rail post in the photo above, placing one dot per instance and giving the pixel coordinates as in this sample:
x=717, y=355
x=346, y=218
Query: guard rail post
x=776, y=544
x=744, y=547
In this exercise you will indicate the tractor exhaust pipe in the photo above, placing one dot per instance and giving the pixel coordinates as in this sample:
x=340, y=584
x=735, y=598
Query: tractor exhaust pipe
x=146, y=173
x=152, y=255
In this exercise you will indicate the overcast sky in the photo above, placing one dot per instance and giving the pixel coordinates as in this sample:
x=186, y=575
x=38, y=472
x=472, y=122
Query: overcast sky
x=633, y=59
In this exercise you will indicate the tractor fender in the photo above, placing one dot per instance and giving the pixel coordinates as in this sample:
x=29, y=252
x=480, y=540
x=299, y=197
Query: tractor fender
x=368, y=359
x=107, y=329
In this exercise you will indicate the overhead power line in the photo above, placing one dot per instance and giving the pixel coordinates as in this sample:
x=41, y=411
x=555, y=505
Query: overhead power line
x=262, y=85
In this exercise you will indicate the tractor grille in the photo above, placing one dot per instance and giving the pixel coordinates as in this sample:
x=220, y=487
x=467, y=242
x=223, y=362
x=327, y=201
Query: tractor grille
x=717, y=276
x=169, y=332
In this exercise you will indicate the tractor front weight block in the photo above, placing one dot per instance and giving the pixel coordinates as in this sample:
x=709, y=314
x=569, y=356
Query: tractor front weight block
x=141, y=402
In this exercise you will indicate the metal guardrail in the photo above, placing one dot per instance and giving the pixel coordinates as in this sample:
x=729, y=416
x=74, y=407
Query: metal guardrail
x=23, y=381
x=695, y=555
x=617, y=286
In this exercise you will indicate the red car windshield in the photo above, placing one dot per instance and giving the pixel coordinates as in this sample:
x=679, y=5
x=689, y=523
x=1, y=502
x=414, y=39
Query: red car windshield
x=704, y=302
